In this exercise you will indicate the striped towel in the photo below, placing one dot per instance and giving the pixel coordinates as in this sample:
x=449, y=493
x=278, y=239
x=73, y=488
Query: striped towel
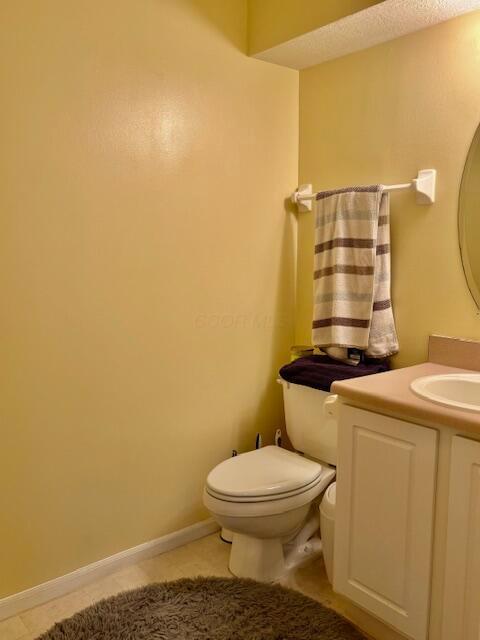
x=352, y=306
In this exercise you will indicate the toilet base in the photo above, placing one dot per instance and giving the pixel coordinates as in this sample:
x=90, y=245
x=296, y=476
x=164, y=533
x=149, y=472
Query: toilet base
x=257, y=558
x=270, y=559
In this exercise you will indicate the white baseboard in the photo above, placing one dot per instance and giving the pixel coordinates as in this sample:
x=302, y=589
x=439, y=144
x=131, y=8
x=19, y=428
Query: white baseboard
x=18, y=602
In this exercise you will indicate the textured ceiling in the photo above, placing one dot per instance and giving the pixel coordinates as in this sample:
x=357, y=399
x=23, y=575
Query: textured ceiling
x=385, y=21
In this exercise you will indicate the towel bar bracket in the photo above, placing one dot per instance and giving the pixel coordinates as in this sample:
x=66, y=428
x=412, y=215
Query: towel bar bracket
x=424, y=184
x=303, y=196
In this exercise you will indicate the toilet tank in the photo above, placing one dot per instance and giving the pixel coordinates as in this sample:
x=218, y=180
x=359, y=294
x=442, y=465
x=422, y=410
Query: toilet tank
x=310, y=430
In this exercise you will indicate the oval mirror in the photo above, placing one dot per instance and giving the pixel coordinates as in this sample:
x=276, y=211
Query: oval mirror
x=469, y=218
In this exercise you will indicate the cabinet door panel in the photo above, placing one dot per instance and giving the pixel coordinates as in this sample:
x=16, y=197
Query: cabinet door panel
x=462, y=573
x=384, y=517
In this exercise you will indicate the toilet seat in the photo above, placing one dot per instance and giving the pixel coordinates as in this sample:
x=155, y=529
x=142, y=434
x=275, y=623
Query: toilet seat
x=266, y=497
x=263, y=474
x=264, y=482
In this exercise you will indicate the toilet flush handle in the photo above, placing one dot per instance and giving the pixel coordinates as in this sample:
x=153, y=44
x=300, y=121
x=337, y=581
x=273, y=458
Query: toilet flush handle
x=330, y=406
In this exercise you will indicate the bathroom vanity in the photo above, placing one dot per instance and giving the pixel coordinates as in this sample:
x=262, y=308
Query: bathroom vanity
x=407, y=521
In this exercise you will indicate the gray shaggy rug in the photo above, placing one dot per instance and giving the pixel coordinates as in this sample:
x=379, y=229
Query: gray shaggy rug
x=206, y=609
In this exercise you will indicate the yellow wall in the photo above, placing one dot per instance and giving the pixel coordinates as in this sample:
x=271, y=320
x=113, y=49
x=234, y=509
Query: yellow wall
x=146, y=268
x=272, y=22
x=378, y=116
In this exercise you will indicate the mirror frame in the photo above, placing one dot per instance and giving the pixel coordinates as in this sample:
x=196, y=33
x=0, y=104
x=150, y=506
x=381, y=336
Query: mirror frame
x=473, y=286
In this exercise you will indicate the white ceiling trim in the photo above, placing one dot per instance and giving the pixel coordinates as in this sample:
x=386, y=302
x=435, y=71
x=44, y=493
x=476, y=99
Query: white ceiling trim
x=381, y=22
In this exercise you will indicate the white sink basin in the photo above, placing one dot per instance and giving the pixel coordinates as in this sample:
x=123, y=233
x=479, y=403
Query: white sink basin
x=456, y=390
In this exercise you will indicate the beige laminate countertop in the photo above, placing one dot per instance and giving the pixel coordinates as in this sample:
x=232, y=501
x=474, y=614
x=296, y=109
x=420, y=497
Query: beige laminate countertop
x=390, y=392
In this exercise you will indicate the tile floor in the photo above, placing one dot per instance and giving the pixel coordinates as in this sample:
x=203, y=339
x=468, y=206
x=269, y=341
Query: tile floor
x=207, y=556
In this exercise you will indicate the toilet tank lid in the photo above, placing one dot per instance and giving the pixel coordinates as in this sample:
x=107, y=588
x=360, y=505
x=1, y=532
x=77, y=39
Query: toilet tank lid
x=264, y=472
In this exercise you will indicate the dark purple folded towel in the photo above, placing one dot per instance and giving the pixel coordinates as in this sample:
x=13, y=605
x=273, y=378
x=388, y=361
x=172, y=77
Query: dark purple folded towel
x=319, y=372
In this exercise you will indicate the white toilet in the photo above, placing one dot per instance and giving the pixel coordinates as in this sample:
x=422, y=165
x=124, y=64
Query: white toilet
x=269, y=497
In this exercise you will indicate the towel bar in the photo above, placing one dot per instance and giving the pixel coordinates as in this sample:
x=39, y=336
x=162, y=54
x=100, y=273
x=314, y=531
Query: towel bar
x=424, y=185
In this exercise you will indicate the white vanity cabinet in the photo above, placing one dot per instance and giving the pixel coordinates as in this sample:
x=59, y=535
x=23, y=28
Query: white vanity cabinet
x=384, y=517
x=461, y=606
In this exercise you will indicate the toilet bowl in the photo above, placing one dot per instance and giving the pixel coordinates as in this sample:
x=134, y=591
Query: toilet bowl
x=269, y=499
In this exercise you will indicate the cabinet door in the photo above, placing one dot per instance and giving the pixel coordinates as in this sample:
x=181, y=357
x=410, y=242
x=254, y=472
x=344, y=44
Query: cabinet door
x=461, y=607
x=384, y=517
